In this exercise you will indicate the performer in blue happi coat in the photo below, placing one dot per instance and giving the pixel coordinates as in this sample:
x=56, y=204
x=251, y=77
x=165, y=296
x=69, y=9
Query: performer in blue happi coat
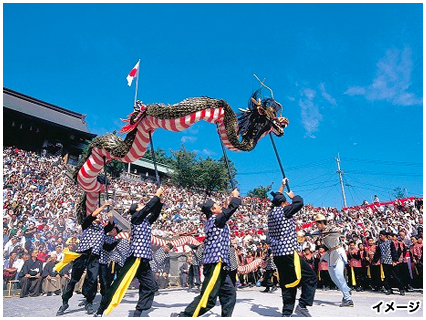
x=293, y=271
x=217, y=280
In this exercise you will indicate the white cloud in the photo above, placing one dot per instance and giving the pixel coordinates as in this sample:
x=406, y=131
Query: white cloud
x=205, y=152
x=326, y=95
x=355, y=91
x=188, y=139
x=311, y=116
x=393, y=78
x=192, y=130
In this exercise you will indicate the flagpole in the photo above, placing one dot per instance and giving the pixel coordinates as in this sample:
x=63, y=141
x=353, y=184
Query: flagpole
x=137, y=80
x=157, y=176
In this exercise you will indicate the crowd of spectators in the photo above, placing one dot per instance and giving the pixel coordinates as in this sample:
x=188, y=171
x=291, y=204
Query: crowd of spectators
x=39, y=201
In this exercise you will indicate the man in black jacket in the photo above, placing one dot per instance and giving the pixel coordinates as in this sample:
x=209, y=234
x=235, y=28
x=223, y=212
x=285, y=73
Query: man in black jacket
x=217, y=281
x=388, y=256
x=106, y=267
x=89, y=247
x=293, y=271
x=160, y=265
x=140, y=245
x=269, y=269
x=30, y=276
x=194, y=266
x=51, y=278
x=184, y=268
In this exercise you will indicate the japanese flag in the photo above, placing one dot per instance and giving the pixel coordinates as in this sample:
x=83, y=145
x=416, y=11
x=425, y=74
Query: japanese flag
x=132, y=74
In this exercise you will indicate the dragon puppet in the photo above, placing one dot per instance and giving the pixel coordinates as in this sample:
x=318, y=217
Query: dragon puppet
x=238, y=133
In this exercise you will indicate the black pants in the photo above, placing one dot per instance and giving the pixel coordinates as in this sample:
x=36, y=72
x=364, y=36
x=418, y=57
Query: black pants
x=223, y=288
x=269, y=279
x=325, y=279
x=242, y=278
x=403, y=274
x=183, y=279
x=250, y=278
x=308, y=282
x=147, y=285
x=31, y=286
x=91, y=262
x=162, y=281
x=418, y=275
x=376, y=280
x=359, y=273
x=233, y=276
x=194, y=273
x=390, y=274
x=106, y=276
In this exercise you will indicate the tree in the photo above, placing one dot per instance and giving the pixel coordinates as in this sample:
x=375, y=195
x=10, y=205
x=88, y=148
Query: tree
x=233, y=172
x=211, y=175
x=398, y=193
x=115, y=167
x=260, y=192
x=184, y=172
x=85, y=150
x=160, y=156
x=197, y=173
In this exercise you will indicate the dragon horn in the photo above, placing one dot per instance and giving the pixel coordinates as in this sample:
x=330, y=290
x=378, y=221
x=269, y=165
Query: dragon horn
x=257, y=103
x=262, y=84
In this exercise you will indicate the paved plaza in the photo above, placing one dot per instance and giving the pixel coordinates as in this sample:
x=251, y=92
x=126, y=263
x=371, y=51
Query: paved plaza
x=250, y=303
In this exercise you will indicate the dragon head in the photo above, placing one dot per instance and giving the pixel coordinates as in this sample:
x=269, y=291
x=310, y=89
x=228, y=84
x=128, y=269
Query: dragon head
x=269, y=108
x=133, y=119
x=261, y=117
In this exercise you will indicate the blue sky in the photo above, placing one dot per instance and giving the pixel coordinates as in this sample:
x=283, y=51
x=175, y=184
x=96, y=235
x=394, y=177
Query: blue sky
x=349, y=77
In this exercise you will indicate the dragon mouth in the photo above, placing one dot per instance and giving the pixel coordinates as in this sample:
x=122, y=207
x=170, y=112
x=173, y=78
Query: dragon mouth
x=278, y=125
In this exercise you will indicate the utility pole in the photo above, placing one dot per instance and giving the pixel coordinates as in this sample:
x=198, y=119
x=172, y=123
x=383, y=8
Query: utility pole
x=340, y=172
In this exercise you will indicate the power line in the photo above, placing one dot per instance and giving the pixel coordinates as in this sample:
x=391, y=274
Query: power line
x=359, y=195
x=319, y=188
x=314, y=178
x=351, y=191
x=385, y=162
x=306, y=165
x=320, y=185
x=329, y=188
x=354, y=188
x=369, y=184
x=409, y=174
x=257, y=172
x=352, y=196
x=375, y=191
x=337, y=190
x=311, y=164
x=384, y=173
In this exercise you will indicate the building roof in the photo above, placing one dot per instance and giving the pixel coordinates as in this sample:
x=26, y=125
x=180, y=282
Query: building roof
x=149, y=164
x=39, y=109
